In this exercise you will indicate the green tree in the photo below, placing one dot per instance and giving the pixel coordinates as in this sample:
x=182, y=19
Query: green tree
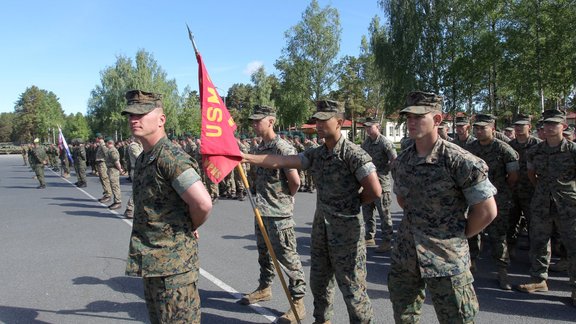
x=308, y=66
x=6, y=126
x=76, y=126
x=107, y=100
x=262, y=87
x=38, y=113
x=239, y=101
x=189, y=114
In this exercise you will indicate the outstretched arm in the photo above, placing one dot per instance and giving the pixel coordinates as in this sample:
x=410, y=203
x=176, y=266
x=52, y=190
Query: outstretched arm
x=272, y=161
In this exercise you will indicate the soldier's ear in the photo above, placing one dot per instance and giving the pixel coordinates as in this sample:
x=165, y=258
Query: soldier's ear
x=437, y=119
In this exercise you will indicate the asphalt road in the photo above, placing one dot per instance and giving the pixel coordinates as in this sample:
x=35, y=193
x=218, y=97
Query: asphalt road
x=63, y=254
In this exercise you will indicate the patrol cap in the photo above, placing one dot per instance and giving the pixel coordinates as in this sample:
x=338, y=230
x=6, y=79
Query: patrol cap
x=462, y=120
x=98, y=135
x=554, y=116
x=260, y=112
x=568, y=131
x=522, y=119
x=421, y=103
x=36, y=140
x=484, y=119
x=326, y=109
x=443, y=124
x=108, y=139
x=140, y=102
x=510, y=129
x=371, y=121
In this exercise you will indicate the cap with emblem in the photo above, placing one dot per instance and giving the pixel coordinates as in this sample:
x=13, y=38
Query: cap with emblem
x=554, y=116
x=421, y=103
x=522, y=119
x=326, y=109
x=140, y=102
x=484, y=119
x=371, y=121
x=462, y=120
x=260, y=112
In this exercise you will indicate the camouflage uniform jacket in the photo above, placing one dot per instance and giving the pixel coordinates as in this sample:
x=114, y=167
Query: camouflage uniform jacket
x=501, y=159
x=134, y=150
x=38, y=156
x=162, y=241
x=299, y=147
x=555, y=169
x=337, y=174
x=437, y=189
x=79, y=153
x=464, y=144
x=112, y=156
x=382, y=152
x=101, y=152
x=523, y=181
x=273, y=197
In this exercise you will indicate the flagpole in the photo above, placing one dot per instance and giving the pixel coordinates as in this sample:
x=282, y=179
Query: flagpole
x=267, y=240
x=257, y=214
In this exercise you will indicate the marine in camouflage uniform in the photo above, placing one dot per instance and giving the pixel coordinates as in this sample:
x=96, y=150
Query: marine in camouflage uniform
x=522, y=193
x=383, y=153
x=79, y=157
x=503, y=167
x=435, y=183
x=309, y=185
x=274, y=197
x=64, y=162
x=338, y=252
x=299, y=149
x=38, y=159
x=100, y=162
x=552, y=169
x=463, y=137
x=52, y=153
x=169, y=205
x=24, y=150
x=134, y=150
x=114, y=168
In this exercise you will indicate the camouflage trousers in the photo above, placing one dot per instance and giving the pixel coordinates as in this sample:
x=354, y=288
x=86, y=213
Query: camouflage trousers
x=283, y=239
x=114, y=178
x=39, y=171
x=338, y=254
x=496, y=231
x=520, y=209
x=542, y=226
x=309, y=181
x=65, y=164
x=210, y=186
x=130, y=203
x=104, y=181
x=172, y=299
x=453, y=297
x=382, y=205
x=80, y=168
x=238, y=183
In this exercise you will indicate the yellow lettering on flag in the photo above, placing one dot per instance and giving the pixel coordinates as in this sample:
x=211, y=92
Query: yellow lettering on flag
x=213, y=96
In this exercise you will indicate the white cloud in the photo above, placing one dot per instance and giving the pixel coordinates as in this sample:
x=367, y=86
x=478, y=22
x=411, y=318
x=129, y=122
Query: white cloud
x=252, y=67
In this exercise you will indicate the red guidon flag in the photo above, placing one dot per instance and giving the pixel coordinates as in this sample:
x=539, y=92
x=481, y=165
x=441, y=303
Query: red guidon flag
x=220, y=152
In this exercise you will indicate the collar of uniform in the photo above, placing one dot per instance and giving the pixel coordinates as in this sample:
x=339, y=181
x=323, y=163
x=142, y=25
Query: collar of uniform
x=153, y=154
x=431, y=158
x=336, y=150
x=266, y=145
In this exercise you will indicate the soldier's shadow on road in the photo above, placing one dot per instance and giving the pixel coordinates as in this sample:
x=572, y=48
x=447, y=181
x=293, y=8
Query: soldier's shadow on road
x=122, y=284
x=221, y=300
x=71, y=199
x=9, y=314
x=135, y=310
x=85, y=213
x=77, y=205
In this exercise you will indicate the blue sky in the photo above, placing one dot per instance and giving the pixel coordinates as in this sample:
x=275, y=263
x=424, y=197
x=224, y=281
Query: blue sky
x=63, y=45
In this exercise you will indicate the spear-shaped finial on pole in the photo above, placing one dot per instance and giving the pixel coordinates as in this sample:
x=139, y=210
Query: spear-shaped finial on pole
x=192, y=39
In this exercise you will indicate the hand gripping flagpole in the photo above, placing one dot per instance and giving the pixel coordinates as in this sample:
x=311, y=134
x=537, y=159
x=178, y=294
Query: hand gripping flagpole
x=259, y=219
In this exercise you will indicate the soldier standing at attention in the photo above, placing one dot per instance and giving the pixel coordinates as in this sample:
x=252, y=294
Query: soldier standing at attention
x=79, y=156
x=134, y=150
x=503, y=167
x=24, y=149
x=383, y=153
x=114, y=168
x=522, y=193
x=170, y=203
x=338, y=252
x=463, y=137
x=100, y=161
x=38, y=159
x=275, y=190
x=552, y=169
x=435, y=182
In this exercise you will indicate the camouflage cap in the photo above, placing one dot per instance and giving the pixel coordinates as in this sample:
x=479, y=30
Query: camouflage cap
x=443, y=124
x=108, y=139
x=371, y=121
x=484, y=119
x=554, y=116
x=510, y=129
x=522, y=119
x=260, y=112
x=326, y=109
x=569, y=131
x=421, y=103
x=140, y=102
x=462, y=120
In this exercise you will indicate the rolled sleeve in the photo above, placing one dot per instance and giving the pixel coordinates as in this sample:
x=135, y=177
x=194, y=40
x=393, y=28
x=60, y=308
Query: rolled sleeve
x=479, y=192
x=364, y=171
x=185, y=180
